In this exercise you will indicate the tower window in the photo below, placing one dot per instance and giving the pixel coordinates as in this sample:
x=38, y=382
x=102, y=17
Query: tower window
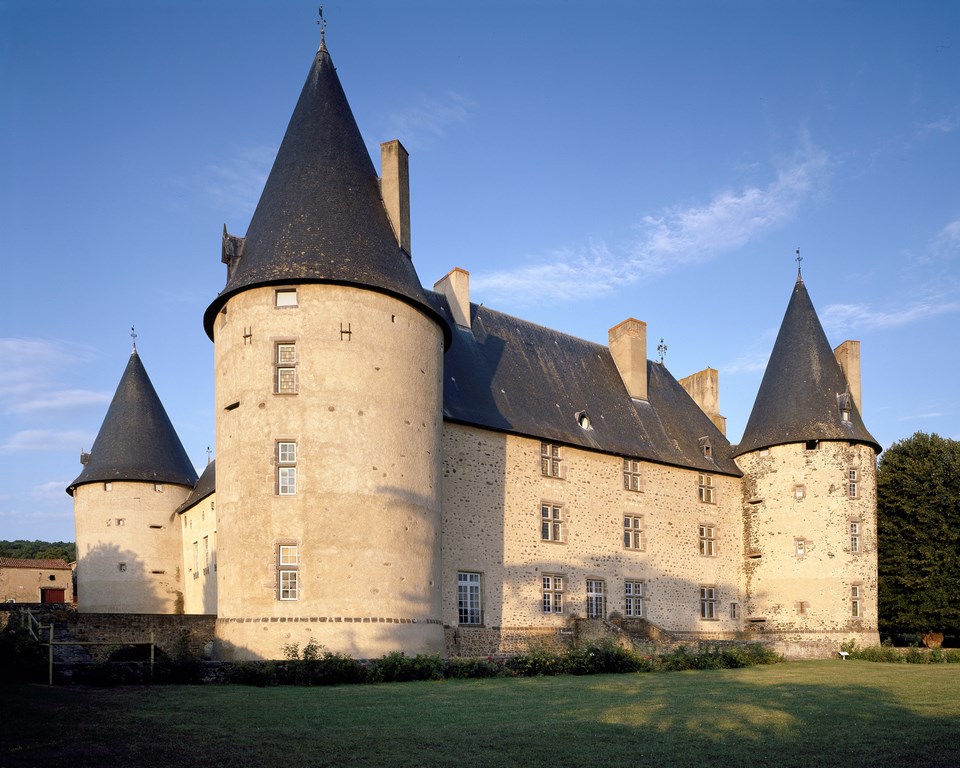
x=286, y=297
x=811, y=445
x=288, y=572
x=854, y=537
x=469, y=599
x=286, y=468
x=799, y=491
x=286, y=368
x=855, y=608
x=853, y=483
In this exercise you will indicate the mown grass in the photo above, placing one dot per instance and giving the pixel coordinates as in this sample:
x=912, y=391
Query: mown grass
x=824, y=713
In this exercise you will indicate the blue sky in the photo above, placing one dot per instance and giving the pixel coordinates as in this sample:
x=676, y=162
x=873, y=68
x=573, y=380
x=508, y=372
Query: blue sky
x=585, y=162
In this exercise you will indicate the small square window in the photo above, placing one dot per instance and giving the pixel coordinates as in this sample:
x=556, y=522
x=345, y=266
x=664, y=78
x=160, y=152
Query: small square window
x=800, y=547
x=799, y=492
x=286, y=297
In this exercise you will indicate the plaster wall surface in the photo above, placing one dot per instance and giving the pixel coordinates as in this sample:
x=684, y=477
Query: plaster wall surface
x=25, y=585
x=198, y=527
x=493, y=490
x=128, y=547
x=365, y=515
x=802, y=561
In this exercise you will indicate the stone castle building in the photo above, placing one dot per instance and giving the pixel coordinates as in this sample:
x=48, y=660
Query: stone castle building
x=401, y=469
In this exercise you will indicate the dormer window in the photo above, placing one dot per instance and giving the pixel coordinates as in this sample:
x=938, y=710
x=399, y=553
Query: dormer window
x=845, y=404
x=583, y=419
x=706, y=448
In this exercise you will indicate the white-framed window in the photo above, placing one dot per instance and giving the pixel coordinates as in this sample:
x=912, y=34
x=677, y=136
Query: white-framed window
x=285, y=363
x=633, y=599
x=550, y=460
x=853, y=483
x=708, y=541
x=551, y=523
x=469, y=600
x=800, y=547
x=286, y=468
x=855, y=537
x=855, y=607
x=708, y=602
x=633, y=531
x=706, y=489
x=799, y=491
x=288, y=572
x=285, y=297
x=108, y=486
x=158, y=487
x=552, y=589
x=596, y=599
x=735, y=610
x=631, y=475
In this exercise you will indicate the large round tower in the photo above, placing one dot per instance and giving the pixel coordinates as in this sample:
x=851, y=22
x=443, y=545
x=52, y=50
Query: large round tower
x=328, y=398
x=133, y=480
x=810, y=534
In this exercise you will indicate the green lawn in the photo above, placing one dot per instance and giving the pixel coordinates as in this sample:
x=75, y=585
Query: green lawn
x=820, y=713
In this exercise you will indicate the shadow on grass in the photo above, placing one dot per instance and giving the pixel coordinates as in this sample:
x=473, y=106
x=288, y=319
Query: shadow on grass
x=823, y=714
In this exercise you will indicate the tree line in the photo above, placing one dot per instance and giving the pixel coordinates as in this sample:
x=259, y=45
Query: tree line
x=39, y=550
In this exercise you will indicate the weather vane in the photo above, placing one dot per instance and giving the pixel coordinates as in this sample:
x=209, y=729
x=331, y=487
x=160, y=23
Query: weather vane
x=662, y=349
x=799, y=259
x=322, y=23
x=133, y=335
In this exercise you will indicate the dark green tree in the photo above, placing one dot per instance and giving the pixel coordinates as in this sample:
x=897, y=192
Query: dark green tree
x=918, y=531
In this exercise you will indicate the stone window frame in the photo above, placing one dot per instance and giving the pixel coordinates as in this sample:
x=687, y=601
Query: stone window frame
x=633, y=532
x=708, y=539
x=288, y=571
x=735, y=610
x=470, y=598
x=853, y=483
x=854, y=526
x=856, y=598
x=708, y=602
x=799, y=491
x=551, y=460
x=596, y=599
x=553, y=523
x=800, y=546
x=552, y=590
x=632, y=479
x=286, y=359
x=706, y=489
x=634, y=595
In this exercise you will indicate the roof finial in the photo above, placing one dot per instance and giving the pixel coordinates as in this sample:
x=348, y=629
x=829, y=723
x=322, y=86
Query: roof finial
x=133, y=335
x=662, y=349
x=209, y=452
x=798, y=260
x=322, y=23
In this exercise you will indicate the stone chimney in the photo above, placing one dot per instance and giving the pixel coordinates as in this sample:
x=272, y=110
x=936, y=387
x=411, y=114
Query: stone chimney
x=455, y=285
x=395, y=189
x=848, y=355
x=628, y=345
x=704, y=388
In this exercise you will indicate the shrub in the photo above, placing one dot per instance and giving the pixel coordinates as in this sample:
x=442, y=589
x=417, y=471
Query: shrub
x=21, y=657
x=397, y=667
x=468, y=668
x=538, y=661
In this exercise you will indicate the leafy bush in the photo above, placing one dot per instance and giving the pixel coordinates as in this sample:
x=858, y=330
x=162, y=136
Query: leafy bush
x=21, y=657
x=475, y=667
x=397, y=667
x=538, y=661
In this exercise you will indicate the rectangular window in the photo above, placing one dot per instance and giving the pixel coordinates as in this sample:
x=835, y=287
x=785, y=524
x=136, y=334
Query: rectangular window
x=286, y=297
x=631, y=475
x=596, y=599
x=706, y=488
x=800, y=547
x=855, y=601
x=551, y=522
x=633, y=532
x=549, y=459
x=196, y=559
x=853, y=483
x=286, y=468
x=206, y=554
x=854, y=537
x=552, y=587
x=288, y=572
x=708, y=603
x=633, y=593
x=708, y=541
x=734, y=611
x=286, y=367
x=468, y=598
x=799, y=491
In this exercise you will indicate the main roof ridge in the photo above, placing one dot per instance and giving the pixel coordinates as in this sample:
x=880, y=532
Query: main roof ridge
x=137, y=441
x=321, y=217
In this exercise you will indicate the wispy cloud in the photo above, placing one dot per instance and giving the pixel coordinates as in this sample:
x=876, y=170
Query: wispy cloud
x=44, y=440
x=28, y=378
x=234, y=183
x=429, y=118
x=674, y=237
x=52, y=490
x=947, y=124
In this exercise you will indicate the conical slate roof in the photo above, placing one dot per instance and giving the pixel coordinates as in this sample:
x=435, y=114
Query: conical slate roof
x=803, y=387
x=321, y=217
x=136, y=442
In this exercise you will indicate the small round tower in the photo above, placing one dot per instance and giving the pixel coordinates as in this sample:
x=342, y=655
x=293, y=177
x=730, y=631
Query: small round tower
x=328, y=378
x=133, y=480
x=809, y=504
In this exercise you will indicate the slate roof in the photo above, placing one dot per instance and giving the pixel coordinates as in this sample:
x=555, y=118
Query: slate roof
x=321, y=217
x=800, y=394
x=206, y=485
x=43, y=564
x=510, y=375
x=136, y=440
